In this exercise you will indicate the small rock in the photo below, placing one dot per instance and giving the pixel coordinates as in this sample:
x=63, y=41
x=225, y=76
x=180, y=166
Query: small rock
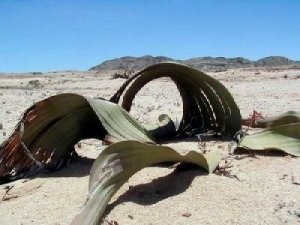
x=186, y=214
x=9, y=197
x=1, y=126
x=294, y=181
x=130, y=217
x=283, y=176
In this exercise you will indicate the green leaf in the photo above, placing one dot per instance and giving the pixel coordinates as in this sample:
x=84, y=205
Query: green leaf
x=118, y=123
x=118, y=162
x=285, y=138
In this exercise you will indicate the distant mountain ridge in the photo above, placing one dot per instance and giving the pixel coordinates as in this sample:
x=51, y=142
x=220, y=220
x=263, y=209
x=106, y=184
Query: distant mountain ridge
x=202, y=63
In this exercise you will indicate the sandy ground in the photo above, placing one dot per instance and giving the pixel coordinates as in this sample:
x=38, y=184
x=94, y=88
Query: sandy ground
x=264, y=193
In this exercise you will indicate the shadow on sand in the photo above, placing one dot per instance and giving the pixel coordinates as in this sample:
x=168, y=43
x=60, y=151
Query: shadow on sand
x=78, y=167
x=266, y=152
x=160, y=188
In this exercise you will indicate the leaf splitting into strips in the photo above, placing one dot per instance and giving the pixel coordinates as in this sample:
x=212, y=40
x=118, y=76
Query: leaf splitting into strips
x=53, y=126
x=218, y=108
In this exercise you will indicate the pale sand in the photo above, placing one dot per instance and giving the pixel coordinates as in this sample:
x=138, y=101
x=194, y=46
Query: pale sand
x=265, y=193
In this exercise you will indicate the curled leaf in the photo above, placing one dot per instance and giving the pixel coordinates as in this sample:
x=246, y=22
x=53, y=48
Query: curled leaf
x=207, y=104
x=118, y=162
x=48, y=131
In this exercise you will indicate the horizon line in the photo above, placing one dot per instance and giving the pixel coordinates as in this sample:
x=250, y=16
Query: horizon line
x=140, y=56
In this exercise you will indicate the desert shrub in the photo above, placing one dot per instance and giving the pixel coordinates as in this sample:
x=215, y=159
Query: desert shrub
x=37, y=73
x=34, y=84
x=124, y=74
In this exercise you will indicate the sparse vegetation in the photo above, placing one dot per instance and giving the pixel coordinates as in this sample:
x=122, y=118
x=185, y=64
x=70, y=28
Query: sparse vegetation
x=123, y=74
x=37, y=73
x=34, y=84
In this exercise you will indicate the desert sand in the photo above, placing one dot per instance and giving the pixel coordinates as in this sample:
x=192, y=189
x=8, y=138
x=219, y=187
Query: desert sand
x=264, y=189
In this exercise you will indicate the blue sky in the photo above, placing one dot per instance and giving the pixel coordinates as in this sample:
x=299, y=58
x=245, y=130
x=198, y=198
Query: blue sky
x=47, y=35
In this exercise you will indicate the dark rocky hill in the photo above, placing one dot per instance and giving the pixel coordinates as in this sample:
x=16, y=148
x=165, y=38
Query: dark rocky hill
x=130, y=63
x=203, y=63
